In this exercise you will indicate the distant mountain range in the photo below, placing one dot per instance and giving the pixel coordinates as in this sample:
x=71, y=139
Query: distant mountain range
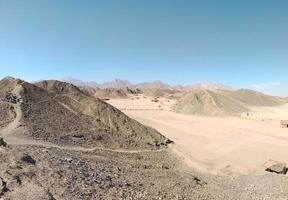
x=157, y=85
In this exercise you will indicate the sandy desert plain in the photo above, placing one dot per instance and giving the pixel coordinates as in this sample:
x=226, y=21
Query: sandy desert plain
x=242, y=145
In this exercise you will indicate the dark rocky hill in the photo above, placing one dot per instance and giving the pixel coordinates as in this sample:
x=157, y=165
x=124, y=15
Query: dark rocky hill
x=61, y=113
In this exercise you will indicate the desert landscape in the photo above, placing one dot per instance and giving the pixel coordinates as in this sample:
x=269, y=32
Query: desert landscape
x=143, y=100
x=61, y=142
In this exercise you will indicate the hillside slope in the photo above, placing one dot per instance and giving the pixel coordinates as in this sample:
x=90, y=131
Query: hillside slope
x=254, y=98
x=61, y=113
x=224, y=103
x=205, y=102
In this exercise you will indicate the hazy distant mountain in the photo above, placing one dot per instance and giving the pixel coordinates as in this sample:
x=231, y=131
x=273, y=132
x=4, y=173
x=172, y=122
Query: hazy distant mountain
x=254, y=98
x=211, y=86
x=80, y=83
x=117, y=83
x=204, y=86
x=155, y=85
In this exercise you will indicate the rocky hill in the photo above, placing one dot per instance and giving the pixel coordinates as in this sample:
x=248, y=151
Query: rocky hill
x=224, y=103
x=115, y=93
x=58, y=143
x=205, y=102
x=61, y=113
x=58, y=87
x=253, y=98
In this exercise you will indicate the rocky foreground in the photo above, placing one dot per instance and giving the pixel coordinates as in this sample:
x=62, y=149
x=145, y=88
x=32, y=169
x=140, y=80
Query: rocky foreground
x=58, y=143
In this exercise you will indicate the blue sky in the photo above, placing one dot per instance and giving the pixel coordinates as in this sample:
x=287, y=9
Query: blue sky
x=241, y=43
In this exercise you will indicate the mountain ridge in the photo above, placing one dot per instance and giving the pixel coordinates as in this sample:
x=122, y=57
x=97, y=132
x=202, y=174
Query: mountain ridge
x=157, y=84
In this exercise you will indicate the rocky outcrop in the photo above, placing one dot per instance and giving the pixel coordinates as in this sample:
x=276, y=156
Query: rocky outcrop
x=278, y=168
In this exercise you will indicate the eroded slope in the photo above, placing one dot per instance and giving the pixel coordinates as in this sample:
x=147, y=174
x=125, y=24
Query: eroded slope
x=205, y=102
x=57, y=113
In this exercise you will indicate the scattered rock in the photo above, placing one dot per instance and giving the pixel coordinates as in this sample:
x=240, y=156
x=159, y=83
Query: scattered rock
x=28, y=159
x=11, y=98
x=78, y=136
x=165, y=166
x=51, y=197
x=69, y=160
x=155, y=100
x=168, y=141
x=3, y=143
x=3, y=187
x=18, y=180
x=278, y=168
x=199, y=181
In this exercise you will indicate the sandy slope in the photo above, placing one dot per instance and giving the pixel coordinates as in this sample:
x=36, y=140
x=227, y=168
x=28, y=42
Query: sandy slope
x=215, y=145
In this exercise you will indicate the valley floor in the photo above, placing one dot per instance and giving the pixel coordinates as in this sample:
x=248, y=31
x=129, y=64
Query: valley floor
x=222, y=146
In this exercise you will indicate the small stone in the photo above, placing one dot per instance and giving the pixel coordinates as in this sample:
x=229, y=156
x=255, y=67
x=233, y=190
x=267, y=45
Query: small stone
x=164, y=166
x=28, y=159
x=3, y=186
x=278, y=168
x=3, y=143
x=70, y=160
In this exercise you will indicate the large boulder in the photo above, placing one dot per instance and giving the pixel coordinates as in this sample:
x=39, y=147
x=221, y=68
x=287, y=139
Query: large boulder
x=278, y=168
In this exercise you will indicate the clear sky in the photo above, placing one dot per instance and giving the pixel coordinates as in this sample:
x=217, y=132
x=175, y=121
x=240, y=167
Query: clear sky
x=242, y=43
